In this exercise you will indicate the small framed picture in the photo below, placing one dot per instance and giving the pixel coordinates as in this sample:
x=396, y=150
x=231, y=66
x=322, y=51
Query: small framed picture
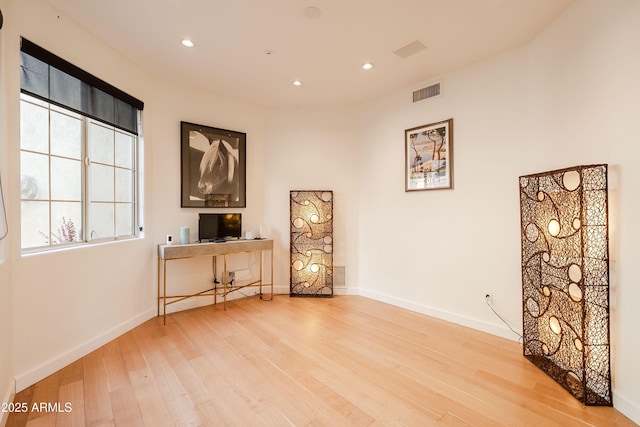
x=213, y=167
x=429, y=156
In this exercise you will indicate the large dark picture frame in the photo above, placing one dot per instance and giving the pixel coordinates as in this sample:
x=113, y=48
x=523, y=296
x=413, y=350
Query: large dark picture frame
x=213, y=167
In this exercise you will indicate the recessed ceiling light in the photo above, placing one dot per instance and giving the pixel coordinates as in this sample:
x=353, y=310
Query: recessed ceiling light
x=367, y=66
x=297, y=83
x=312, y=12
x=187, y=43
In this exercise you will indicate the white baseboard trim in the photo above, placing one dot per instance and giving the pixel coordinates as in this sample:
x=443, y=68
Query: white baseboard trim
x=494, y=329
x=281, y=290
x=47, y=368
x=7, y=397
x=628, y=408
x=345, y=290
x=337, y=290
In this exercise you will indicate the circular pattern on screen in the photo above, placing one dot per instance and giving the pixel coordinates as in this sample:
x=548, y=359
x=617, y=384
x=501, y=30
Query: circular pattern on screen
x=571, y=180
x=575, y=273
x=545, y=349
x=533, y=307
x=576, y=224
x=575, y=292
x=554, y=324
x=531, y=231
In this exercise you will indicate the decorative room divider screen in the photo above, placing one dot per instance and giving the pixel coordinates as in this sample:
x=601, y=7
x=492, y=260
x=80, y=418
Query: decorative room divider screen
x=311, y=215
x=565, y=279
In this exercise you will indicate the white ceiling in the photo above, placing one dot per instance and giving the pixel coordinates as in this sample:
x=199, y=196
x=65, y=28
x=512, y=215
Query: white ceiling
x=232, y=38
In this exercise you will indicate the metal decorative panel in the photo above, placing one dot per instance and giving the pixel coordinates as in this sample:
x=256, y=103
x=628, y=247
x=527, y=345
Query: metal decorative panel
x=565, y=279
x=311, y=243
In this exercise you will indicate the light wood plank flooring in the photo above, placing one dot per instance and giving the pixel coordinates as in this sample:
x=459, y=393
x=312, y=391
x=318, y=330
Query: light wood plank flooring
x=306, y=362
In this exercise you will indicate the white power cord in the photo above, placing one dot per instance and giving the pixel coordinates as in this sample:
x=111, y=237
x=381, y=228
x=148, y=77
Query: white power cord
x=487, y=299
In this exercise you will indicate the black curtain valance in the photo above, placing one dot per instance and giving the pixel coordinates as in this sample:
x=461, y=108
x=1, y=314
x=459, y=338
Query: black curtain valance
x=51, y=78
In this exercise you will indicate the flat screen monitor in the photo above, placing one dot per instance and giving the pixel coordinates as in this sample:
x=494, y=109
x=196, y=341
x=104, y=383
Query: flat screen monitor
x=219, y=226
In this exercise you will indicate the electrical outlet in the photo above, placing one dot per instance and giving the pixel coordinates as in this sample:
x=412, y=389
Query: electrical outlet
x=488, y=296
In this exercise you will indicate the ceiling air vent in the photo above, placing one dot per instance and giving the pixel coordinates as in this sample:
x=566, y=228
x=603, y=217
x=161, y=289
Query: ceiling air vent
x=426, y=92
x=412, y=48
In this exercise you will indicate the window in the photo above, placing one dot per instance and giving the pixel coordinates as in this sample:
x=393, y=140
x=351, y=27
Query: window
x=78, y=163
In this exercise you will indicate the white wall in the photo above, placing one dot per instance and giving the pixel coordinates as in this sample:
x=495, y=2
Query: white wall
x=584, y=92
x=313, y=149
x=179, y=103
x=438, y=251
x=7, y=388
x=570, y=97
x=66, y=303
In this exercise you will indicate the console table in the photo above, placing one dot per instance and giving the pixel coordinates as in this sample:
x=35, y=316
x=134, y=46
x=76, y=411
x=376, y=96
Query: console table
x=175, y=252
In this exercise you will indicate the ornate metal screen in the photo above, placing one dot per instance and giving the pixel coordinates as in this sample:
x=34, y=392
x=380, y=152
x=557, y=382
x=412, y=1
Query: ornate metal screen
x=565, y=279
x=311, y=243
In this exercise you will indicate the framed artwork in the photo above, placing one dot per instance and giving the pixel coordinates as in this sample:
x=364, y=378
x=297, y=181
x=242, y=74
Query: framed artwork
x=213, y=167
x=429, y=156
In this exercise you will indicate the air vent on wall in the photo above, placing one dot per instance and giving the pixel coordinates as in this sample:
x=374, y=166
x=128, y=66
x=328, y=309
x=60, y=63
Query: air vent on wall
x=426, y=92
x=339, y=276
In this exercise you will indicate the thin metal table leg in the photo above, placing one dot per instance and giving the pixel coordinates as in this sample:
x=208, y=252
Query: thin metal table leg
x=261, y=272
x=164, y=293
x=159, y=271
x=224, y=281
x=215, y=274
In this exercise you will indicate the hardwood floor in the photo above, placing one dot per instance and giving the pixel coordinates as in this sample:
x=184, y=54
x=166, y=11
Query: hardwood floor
x=306, y=362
